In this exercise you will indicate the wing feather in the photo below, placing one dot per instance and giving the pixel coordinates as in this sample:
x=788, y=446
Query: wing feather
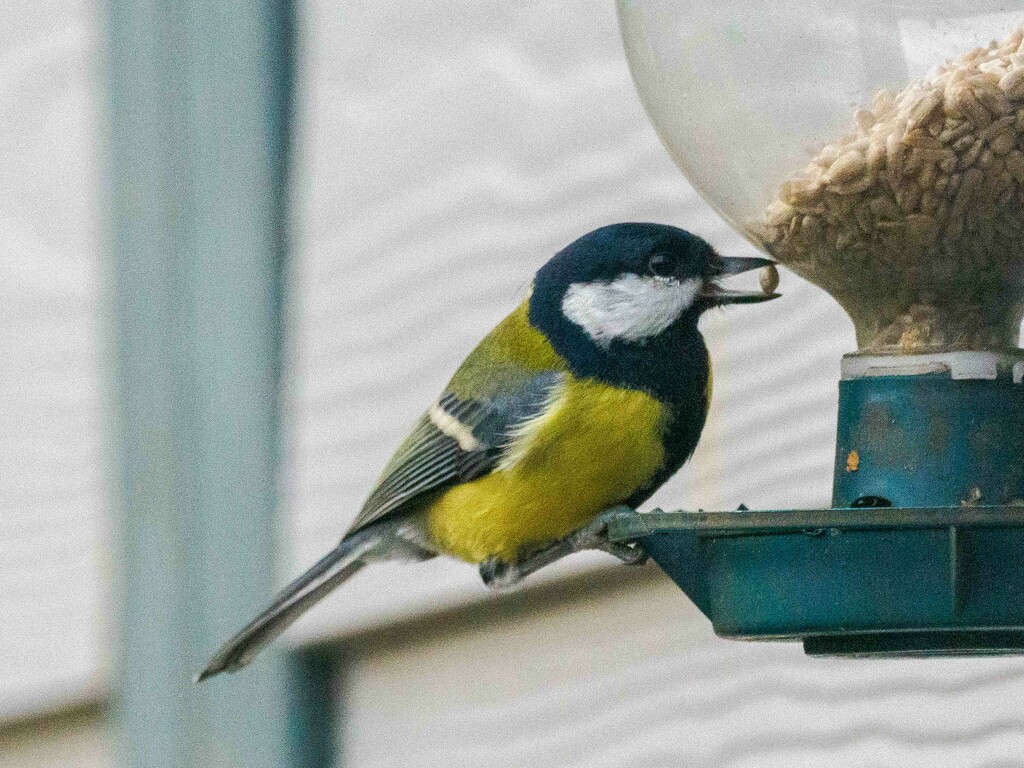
x=431, y=458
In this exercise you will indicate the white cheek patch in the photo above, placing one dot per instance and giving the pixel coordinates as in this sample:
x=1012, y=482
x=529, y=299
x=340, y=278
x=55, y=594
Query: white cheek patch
x=629, y=308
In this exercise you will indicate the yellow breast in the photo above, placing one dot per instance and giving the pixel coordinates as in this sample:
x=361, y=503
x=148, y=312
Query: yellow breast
x=592, y=449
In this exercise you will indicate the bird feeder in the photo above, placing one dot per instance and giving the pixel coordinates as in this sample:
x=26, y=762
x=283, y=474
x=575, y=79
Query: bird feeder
x=877, y=150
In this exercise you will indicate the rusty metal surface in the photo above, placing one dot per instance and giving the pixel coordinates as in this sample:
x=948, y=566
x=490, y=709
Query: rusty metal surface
x=930, y=441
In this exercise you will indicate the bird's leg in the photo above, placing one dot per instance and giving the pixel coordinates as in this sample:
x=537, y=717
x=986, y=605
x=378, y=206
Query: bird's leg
x=594, y=535
x=502, y=574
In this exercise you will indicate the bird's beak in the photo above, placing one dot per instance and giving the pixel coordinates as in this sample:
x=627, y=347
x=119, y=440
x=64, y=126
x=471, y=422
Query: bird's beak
x=727, y=266
x=737, y=265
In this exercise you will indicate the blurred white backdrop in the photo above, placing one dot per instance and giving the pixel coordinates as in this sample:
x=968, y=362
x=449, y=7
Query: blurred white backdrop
x=53, y=575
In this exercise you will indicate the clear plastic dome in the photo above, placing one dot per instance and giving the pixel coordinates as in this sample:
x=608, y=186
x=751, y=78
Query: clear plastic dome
x=875, y=148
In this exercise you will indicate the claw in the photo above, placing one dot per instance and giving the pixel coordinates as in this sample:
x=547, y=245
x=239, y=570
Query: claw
x=499, y=575
x=629, y=554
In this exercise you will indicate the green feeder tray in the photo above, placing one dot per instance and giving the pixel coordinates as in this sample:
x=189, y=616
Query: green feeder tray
x=923, y=553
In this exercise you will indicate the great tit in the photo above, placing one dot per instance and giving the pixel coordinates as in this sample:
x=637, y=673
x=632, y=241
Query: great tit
x=589, y=395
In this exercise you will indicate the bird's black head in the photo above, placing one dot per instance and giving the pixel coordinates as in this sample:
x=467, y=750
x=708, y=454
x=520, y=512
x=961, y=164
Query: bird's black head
x=621, y=305
x=630, y=283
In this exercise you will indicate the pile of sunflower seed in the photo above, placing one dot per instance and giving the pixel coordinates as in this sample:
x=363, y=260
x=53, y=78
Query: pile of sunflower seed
x=914, y=221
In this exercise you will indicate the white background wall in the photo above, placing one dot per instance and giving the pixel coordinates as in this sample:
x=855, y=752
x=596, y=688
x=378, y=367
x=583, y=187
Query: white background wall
x=625, y=675
x=445, y=150
x=52, y=502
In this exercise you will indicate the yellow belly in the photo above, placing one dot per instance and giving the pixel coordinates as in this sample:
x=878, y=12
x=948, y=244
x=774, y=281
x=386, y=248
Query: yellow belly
x=594, y=448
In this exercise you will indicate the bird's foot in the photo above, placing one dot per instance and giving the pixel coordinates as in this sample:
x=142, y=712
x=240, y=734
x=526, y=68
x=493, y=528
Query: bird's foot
x=594, y=535
x=502, y=574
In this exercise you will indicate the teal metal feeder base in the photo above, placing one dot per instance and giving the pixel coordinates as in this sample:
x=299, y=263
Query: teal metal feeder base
x=924, y=552
x=849, y=581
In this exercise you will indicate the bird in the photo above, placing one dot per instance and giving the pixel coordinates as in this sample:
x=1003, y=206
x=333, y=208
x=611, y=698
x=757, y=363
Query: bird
x=579, y=404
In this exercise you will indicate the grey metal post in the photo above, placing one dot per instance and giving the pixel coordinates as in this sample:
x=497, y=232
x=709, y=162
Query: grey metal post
x=198, y=124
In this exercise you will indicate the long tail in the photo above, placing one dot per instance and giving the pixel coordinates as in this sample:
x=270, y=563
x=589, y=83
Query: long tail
x=302, y=594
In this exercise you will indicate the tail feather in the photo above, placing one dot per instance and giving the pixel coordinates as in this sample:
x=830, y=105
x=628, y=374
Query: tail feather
x=302, y=594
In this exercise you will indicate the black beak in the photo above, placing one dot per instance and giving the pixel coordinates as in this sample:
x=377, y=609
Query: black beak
x=737, y=265
x=726, y=266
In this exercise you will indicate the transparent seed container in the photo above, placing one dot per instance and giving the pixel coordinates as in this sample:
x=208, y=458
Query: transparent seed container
x=875, y=148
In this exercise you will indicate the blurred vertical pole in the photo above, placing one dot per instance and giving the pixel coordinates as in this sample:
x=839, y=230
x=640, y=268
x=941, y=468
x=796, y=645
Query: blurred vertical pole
x=198, y=138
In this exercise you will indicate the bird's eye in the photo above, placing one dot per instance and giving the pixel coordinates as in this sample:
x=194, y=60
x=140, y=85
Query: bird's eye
x=662, y=265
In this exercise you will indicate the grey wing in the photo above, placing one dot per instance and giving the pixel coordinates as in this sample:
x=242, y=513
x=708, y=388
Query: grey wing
x=456, y=441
